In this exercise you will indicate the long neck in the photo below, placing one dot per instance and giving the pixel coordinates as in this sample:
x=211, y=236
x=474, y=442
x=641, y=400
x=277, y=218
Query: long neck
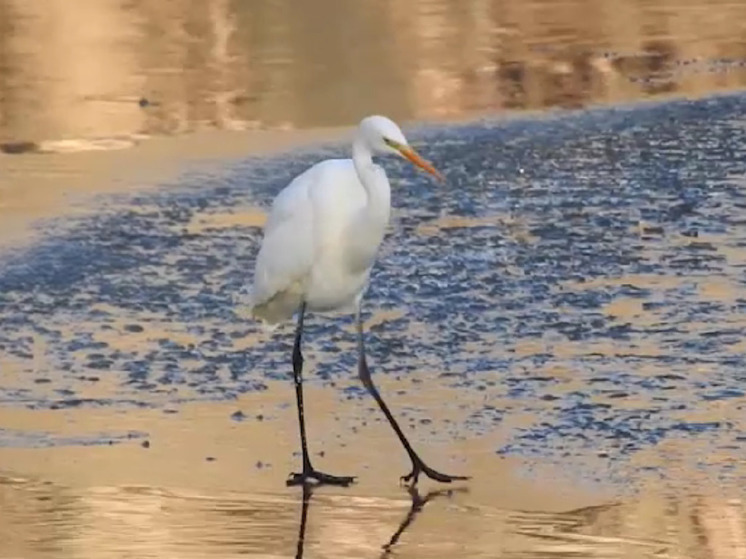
x=374, y=180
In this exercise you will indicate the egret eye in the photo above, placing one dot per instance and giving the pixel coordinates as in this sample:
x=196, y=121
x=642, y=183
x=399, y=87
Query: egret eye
x=391, y=143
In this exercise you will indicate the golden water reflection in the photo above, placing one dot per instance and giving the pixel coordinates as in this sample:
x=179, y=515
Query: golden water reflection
x=112, y=69
x=44, y=520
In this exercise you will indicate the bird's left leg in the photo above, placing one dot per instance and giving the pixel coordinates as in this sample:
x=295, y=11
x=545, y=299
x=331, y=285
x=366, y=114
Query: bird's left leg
x=309, y=474
x=418, y=465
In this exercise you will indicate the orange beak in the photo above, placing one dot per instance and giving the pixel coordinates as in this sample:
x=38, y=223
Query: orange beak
x=416, y=159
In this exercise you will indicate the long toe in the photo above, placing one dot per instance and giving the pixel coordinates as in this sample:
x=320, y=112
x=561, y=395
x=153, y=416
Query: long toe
x=296, y=479
x=318, y=478
x=419, y=467
x=343, y=481
x=441, y=477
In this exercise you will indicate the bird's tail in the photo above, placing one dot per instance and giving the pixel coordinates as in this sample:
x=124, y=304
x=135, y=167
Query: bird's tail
x=270, y=312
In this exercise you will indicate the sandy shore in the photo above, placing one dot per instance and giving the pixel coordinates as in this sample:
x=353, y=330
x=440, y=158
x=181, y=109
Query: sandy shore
x=201, y=448
x=36, y=186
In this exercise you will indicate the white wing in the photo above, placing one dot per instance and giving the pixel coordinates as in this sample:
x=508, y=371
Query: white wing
x=307, y=215
x=286, y=255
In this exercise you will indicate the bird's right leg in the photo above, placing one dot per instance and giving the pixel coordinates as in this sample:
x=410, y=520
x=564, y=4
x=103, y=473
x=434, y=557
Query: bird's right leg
x=309, y=474
x=418, y=465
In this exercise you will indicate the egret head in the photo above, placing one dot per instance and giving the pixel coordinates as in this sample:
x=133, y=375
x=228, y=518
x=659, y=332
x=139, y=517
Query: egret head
x=384, y=137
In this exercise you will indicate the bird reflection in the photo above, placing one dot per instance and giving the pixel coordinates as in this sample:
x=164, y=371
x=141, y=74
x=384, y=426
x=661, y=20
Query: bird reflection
x=418, y=503
x=307, y=494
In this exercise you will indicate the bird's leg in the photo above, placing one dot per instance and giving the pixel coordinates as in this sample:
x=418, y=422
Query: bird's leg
x=418, y=465
x=309, y=474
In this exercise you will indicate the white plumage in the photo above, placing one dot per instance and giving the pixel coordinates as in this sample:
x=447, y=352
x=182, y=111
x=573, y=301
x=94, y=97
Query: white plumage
x=325, y=227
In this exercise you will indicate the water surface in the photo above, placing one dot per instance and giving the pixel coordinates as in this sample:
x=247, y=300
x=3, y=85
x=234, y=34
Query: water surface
x=112, y=70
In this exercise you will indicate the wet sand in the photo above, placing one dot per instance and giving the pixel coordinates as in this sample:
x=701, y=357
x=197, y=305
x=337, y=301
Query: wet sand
x=196, y=483
x=193, y=481
x=201, y=448
x=36, y=186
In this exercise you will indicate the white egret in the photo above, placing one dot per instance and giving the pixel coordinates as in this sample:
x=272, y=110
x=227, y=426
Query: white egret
x=320, y=242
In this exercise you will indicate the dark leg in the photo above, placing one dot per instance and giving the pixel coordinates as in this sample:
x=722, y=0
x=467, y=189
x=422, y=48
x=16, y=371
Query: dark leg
x=418, y=466
x=308, y=475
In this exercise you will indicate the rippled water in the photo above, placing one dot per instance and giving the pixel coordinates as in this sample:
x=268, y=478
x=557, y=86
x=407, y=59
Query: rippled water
x=112, y=69
x=48, y=521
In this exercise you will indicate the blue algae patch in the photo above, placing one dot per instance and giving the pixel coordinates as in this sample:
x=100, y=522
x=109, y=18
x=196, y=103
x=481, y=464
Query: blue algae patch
x=524, y=307
x=40, y=439
x=69, y=403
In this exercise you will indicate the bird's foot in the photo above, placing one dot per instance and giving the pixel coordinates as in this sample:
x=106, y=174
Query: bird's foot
x=311, y=476
x=419, y=467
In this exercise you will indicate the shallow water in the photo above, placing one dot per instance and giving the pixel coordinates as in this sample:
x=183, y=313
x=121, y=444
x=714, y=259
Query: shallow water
x=144, y=522
x=109, y=70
